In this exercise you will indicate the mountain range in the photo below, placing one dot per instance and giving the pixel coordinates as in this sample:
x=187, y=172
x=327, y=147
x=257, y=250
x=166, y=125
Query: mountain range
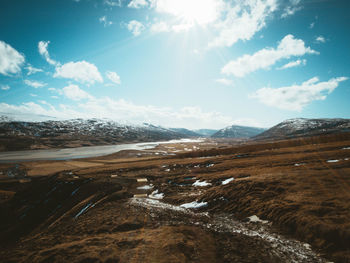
x=21, y=135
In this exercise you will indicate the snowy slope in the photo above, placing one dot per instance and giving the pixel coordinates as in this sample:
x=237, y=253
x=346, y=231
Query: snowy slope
x=305, y=127
x=18, y=135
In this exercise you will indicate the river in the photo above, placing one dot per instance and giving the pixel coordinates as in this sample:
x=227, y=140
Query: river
x=80, y=152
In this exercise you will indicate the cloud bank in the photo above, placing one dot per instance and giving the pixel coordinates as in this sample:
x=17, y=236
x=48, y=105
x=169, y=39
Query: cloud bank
x=296, y=97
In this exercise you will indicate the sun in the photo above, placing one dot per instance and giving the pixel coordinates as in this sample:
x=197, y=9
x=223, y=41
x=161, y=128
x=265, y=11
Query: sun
x=199, y=12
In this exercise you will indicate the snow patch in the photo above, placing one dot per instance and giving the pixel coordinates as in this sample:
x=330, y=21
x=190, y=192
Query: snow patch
x=194, y=205
x=199, y=183
x=227, y=181
x=332, y=161
x=145, y=187
x=156, y=195
x=256, y=219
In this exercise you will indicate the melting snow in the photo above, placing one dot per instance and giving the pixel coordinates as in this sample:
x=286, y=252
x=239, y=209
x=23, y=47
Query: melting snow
x=332, y=161
x=307, y=246
x=299, y=164
x=199, y=183
x=293, y=250
x=145, y=187
x=156, y=195
x=210, y=165
x=194, y=204
x=346, y=148
x=227, y=181
x=255, y=219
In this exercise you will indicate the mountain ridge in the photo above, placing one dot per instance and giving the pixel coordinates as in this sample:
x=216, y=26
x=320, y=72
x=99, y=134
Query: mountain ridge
x=303, y=127
x=237, y=131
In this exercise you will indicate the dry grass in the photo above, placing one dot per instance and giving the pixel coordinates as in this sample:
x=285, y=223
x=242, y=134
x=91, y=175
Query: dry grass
x=310, y=201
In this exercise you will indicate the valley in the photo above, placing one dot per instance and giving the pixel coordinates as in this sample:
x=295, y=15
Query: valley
x=277, y=201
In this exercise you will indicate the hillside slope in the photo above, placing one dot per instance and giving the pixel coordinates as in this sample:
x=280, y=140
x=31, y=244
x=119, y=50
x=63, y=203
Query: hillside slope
x=17, y=135
x=236, y=131
x=301, y=127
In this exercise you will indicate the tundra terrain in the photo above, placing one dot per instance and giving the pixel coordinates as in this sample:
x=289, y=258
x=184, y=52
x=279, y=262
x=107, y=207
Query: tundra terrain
x=281, y=201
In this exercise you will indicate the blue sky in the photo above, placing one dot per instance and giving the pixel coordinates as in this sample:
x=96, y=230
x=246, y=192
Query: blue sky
x=184, y=63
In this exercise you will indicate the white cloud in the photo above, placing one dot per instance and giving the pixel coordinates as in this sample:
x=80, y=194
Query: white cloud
x=123, y=111
x=292, y=64
x=113, y=2
x=242, y=21
x=291, y=8
x=138, y=3
x=160, y=27
x=113, y=76
x=44, y=102
x=5, y=87
x=73, y=92
x=224, y=81
x=58, y=91
x=33, y=95
x=135, y=27
x=264, y=58
x=32, y=70
x=312, y=25
x=54, y=97
x=320, y=39
x=36, y=111
x=296, y=97
x=43, y=50
x=105, y=21
x=10, y=59
x=80, y=71
x=34, y=84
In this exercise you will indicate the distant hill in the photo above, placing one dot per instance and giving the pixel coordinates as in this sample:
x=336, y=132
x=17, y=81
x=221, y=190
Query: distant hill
x=206, y=132
x=186, y=132
x=20, y=135
x=236, y=131
x=305, y=127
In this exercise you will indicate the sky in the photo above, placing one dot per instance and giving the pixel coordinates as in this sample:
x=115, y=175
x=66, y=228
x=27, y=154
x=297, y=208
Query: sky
x=185, y=63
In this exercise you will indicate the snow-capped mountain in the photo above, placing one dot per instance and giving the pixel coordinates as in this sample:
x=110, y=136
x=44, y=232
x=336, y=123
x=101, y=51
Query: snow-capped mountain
x=236, y=131
x=305, y=127
x=20, y=135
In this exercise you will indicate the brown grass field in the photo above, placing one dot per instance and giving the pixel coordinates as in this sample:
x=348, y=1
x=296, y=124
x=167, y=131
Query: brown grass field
x=85, y=210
